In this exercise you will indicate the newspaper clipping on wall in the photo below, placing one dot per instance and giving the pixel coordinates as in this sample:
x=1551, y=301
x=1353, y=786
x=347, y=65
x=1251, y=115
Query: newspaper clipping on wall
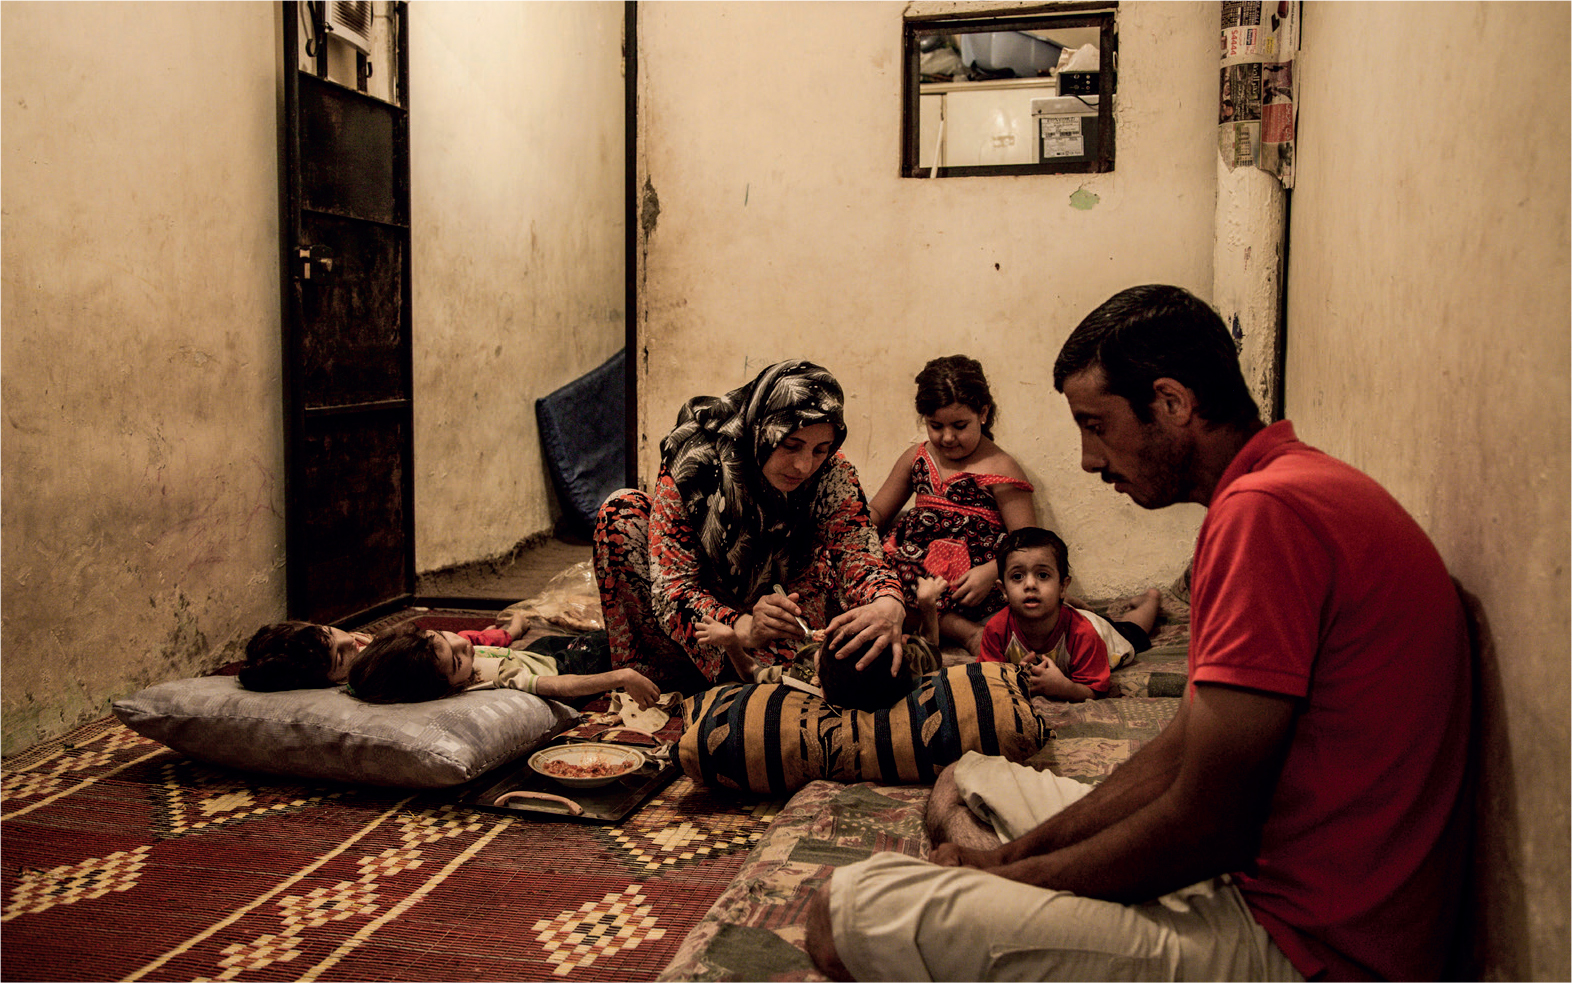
x=1255, y=112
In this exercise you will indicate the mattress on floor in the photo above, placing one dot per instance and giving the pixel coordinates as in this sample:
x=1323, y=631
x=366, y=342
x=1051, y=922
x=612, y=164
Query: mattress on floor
x=755, y=929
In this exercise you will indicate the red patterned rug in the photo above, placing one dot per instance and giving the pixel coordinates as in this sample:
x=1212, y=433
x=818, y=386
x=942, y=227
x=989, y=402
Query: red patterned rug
x=441, y=619
x=126, y=861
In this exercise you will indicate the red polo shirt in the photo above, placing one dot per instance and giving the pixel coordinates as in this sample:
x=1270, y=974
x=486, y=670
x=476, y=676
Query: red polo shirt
x=1311, y=581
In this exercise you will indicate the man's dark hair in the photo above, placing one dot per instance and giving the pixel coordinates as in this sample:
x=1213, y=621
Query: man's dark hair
x=399, y=666
x=1146, y=333
x=288, y=655
x=1030, y=538
x=870, y=689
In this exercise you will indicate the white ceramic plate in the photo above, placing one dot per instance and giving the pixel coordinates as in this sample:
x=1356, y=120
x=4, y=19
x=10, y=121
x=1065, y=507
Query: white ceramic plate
x=615, y=761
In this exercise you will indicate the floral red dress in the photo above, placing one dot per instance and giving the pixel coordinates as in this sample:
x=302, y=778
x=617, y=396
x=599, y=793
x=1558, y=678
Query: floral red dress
x=655, y=588
x=953, y=526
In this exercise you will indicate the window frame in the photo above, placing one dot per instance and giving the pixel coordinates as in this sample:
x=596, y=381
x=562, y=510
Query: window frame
x=1049, y=17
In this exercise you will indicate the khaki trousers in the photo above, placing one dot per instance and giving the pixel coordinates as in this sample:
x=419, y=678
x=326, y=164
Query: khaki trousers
x=898, y=918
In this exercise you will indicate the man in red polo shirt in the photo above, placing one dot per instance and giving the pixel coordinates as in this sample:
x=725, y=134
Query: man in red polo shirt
x=1304, y=814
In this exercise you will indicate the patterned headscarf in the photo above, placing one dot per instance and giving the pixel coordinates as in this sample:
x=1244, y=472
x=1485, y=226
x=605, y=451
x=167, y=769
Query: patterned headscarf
x=752, y=534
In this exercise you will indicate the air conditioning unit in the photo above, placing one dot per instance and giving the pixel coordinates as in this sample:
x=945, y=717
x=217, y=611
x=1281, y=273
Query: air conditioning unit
x=350, y=22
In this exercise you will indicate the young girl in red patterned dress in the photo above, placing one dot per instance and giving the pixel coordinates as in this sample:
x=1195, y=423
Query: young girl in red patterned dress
x=969, y=494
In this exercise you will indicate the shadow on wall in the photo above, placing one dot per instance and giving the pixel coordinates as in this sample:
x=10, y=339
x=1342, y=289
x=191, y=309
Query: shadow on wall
x=1498, y=935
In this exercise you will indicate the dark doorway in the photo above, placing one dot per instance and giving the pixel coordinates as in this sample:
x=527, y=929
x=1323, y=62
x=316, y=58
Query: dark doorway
x=347, y=356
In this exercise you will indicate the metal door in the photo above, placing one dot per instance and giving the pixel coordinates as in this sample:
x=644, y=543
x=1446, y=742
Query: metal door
x=344, y=175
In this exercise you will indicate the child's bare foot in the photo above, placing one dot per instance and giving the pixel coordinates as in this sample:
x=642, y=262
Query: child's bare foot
x=1145, y=611
x=974, y=644
x=926, y=622
x=968, y=633
x=517, y=623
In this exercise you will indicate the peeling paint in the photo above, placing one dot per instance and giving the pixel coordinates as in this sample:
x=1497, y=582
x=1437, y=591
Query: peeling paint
x=649, y=213
x=1083, y=200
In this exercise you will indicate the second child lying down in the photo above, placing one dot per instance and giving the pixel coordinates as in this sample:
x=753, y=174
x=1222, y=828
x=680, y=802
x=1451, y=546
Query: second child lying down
x=302, y=655
x=413, y=665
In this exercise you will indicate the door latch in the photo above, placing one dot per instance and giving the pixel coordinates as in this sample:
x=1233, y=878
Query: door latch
x=316, y=263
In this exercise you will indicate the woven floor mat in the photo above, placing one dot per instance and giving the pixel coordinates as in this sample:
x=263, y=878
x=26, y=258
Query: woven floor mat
x=124, y=861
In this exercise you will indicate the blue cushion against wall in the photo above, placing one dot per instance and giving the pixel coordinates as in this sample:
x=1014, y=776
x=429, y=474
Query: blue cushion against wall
x=583, y=434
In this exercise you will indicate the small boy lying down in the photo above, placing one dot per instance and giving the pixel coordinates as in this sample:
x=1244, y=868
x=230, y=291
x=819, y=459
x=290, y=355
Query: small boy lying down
x=413, y=665
x=872, y=688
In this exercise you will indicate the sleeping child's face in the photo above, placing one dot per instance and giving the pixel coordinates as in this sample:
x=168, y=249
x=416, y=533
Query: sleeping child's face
x=455, y=657
x=343, y=648
x=1032, y=583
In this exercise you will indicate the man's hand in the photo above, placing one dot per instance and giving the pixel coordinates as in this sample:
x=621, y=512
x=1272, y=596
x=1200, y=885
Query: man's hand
x=953, y=855
x=1206, y=781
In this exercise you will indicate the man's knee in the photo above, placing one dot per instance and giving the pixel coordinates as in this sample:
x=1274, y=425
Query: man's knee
x=820, y=937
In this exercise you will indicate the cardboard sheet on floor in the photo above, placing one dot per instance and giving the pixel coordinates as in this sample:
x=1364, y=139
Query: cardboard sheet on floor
x=607, y=804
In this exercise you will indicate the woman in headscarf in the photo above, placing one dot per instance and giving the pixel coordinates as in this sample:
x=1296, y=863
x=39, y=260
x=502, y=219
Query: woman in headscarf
x=752, y=492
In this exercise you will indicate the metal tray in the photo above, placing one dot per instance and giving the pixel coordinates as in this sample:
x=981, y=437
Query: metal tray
x=610, y=803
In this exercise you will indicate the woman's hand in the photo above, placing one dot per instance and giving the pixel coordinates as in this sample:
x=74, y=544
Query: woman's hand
x=774, y=616
x=876, y=624
x=971, y=589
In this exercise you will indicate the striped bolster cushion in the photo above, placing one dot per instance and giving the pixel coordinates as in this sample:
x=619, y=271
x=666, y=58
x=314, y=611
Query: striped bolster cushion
x=773, y=739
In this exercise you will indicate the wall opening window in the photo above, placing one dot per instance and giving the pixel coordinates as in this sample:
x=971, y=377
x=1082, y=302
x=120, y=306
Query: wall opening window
x=1009, y=93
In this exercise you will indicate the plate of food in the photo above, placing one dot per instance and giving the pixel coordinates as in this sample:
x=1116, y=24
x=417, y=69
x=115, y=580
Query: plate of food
x=586, y=765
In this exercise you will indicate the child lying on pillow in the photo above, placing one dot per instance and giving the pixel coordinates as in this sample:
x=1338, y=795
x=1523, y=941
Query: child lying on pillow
x=302, y=655
x=874, y=687
x=413, y=665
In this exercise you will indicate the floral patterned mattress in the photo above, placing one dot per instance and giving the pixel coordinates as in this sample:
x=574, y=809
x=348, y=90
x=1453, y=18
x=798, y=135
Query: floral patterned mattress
x=754, y=931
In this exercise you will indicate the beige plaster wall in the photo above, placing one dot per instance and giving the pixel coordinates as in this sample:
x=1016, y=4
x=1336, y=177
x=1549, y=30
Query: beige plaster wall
x=1428, y=345
x=517, y=198
x=139, y=360
x=775, y=225
x=142, y=495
